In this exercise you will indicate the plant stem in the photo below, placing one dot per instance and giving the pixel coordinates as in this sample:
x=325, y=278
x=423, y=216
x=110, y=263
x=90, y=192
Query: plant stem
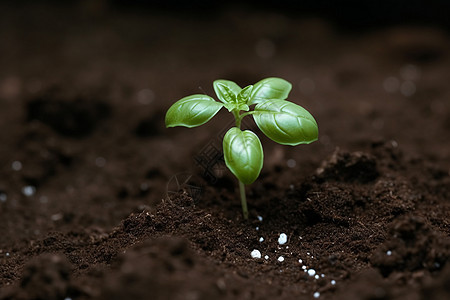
x=238, y=119
x=243, y=200
x=249, y=113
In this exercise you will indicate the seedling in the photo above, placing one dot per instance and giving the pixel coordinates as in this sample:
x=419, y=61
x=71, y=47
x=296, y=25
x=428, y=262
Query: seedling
x=280, y=120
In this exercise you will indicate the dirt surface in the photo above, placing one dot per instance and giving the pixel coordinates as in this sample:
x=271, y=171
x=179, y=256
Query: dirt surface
x=98, y=200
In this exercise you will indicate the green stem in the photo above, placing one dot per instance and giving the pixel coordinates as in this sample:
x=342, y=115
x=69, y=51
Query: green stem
x=243, y=200
x=249, y=113
x=238, y=119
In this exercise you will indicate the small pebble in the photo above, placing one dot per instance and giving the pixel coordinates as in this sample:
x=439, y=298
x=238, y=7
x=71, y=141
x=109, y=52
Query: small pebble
x=266, y=257
x=333, y=282
x=260, y=218
x=291, y=163
x=317, y=276
x=261, y=239
x=394, y=144
x=257, y=228
x=3, y=197
x=300, y=261
x=322, y=275
x=57, y=217
x=316, y=295
x=304, y=268
x=16, y=165
x=255, y=254
x=28, y=190
x=311, y=272
x=281, y=259
x=282, y=239
x=389, y=252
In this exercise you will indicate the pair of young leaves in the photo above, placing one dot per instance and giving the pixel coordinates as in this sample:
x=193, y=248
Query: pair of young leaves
x=282, y=121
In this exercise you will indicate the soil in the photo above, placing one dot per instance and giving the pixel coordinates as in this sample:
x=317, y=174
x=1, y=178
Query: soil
x=98, y=200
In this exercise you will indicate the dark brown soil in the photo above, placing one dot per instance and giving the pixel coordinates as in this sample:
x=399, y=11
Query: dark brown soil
x=98, y=200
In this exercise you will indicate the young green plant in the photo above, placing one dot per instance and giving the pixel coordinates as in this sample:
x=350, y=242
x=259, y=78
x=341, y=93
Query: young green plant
x=279, y=119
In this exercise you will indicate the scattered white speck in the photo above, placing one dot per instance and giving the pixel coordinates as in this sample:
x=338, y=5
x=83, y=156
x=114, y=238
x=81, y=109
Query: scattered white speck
x=333, y=282
x=307, y=253
x=16, y=165
x=7, y=253
x=255, y=254
x=257, y=228
x=311, y=272
x=281, y=259
x=67, y=298
x=3, y=197
x=282, y=239
x=291, y=163
x=394, y=144
x=260, y=218
x=145, y=96
x=317, y=276
x=391, y=84
x=266, y=257
x=316, y=295
x=100, y=162
x=322, y=275
x=291, y=186
x=389, y=252
x=57, y=217
x=261, y=239
x=28, y=190
x=300, y=261
x=304, y=268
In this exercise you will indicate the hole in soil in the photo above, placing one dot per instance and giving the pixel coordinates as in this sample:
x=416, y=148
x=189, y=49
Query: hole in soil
x=349, y=167
x=150, y=126
x=75, y=117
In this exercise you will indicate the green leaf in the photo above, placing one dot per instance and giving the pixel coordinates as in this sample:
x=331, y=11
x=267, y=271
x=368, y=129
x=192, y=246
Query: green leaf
x=244, y=94
x=243, y=154
x=192, y=111
x=226, y=90
x=270, y=88
x=285, y=122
